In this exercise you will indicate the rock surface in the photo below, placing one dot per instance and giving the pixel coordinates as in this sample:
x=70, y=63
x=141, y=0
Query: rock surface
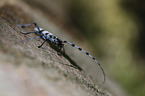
x=26, y=70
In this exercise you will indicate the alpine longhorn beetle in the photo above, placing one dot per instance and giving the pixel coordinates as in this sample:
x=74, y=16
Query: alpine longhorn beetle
x=47, y=36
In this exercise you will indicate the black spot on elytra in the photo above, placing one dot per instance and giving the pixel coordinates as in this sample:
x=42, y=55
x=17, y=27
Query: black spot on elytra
x=54, y=37
x=50, y=36
x=46, y=33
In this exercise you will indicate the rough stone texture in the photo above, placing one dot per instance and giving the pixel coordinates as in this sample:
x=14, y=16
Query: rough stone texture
x=26, y=70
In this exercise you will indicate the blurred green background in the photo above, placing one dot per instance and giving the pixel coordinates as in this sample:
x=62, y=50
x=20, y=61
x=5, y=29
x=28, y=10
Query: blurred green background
x=116, y=29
